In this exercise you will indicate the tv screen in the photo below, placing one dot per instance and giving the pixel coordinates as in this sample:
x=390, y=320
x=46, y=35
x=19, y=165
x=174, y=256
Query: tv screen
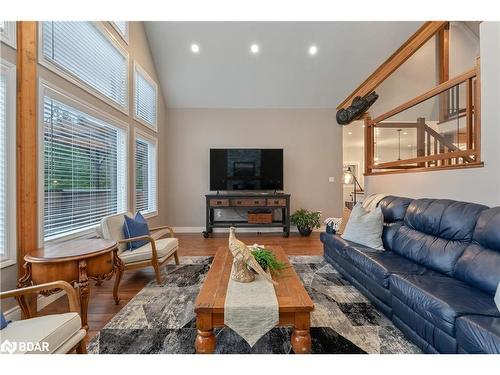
x=246, y=169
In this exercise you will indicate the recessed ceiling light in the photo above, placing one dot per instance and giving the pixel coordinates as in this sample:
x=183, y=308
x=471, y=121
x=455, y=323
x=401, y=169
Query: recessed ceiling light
x=195, y=48
x=254, y=48
x=409, y=145
x=405, y=133
x=350, y=133
x=313, y=50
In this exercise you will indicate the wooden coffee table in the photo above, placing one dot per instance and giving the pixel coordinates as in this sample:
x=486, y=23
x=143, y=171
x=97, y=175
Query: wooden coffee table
x=295, y=305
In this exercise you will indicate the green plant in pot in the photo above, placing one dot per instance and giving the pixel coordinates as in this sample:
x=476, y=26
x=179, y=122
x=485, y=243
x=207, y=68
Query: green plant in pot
x=267, y=259
x=306, y=221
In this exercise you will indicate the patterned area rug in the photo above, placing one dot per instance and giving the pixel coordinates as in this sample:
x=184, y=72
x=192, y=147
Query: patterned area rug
x=160, y=318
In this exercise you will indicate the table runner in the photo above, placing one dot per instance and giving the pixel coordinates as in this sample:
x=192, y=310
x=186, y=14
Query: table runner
x=251, y=309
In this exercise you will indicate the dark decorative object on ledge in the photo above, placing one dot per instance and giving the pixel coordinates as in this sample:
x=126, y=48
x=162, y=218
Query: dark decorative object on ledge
x=330, y=230
x=356, y=109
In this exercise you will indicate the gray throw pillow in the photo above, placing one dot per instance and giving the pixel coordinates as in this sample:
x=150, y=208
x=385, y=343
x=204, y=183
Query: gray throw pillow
x=365, y=227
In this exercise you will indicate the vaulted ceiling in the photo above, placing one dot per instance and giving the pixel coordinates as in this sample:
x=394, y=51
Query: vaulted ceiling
x=225, y=74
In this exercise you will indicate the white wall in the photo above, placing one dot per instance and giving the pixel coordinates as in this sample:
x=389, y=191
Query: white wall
x=311, y=139
x=481, y=185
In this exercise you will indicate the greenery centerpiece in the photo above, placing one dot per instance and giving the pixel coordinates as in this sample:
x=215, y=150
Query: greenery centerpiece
x=306, y=220
x=266, y=258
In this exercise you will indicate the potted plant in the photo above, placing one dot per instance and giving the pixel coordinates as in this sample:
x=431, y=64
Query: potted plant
x=306, y=221
x=266, y=258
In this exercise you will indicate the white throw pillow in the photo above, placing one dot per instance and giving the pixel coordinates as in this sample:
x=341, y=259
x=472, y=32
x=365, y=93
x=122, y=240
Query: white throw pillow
x=365, y=227
x=497, y=297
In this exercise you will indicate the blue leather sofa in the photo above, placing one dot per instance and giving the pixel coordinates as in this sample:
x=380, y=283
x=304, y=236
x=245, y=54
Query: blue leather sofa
x=438, y=276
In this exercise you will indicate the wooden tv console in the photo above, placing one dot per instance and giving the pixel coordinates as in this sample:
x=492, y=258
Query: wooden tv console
x=273, y=201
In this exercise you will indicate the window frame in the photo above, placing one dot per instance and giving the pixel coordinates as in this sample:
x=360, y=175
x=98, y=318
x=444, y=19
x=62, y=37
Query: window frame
x=9, y=35
x=10, y=256
x=125, y=37
x=62, y=72
x=144, y=136
x=139, y=69
x=46, y=88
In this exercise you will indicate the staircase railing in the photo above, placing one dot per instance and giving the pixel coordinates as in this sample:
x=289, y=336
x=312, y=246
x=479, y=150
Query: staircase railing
x=434, y=145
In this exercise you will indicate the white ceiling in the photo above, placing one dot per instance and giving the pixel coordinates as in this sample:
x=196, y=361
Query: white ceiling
x=283, y=75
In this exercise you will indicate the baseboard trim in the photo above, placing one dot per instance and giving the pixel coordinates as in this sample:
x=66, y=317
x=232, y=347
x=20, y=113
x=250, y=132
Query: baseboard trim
x=241, y=230
x=14, y=313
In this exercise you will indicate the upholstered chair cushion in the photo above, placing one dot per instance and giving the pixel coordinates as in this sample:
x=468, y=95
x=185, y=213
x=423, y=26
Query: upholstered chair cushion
x=111, y=228
x=56, y=330
x=164, y=248
x=135, y=227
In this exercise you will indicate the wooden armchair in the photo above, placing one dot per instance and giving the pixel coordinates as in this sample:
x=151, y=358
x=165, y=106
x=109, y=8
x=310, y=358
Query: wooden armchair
x=54, y=334
x=157, y=252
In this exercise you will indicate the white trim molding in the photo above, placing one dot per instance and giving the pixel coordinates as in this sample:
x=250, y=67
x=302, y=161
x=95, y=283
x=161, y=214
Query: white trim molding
x=125, y=37
x=9, y=258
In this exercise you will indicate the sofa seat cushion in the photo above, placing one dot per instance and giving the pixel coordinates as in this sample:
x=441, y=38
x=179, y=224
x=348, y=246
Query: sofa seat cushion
x=379, y=265
x=441, y=299
x=479, y=334
x=52, y=329
x=164, y=248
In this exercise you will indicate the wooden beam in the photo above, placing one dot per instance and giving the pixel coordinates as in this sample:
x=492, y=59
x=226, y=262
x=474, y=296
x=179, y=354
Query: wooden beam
x=443, y=46
x=477, y=110
x=403, y=53
x=428, y=169
x=27, y=145
x=443, y=62
x=469, y=122
x=368, y=145
x=397, y=125
x=429, y=94
x=423, y=159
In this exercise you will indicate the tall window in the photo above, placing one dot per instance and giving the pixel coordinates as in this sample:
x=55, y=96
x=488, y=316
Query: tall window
x=84, y=51
x=145, y=97
x=85, y=167
x=7, y=163
x=145, y=174
x=122, y=28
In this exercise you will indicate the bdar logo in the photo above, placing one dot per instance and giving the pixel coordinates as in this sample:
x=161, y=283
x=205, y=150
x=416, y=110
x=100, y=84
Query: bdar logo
x=8, y=347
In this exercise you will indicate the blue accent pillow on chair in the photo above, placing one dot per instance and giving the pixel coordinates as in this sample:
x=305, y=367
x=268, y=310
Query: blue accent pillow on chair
x=135, y=227
x=3, y=321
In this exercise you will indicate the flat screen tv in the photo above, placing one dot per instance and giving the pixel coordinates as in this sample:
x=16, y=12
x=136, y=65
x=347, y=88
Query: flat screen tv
x=246, y=169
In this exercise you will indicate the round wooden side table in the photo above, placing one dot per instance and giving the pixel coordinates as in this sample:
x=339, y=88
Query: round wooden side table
x=76, y=262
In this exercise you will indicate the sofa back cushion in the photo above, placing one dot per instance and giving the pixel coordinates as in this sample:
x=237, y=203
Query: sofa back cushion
x=479, y=264
x=394, y=210
x=436, y=232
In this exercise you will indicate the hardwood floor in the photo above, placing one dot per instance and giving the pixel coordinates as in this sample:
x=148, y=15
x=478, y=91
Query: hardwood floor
x=102, y=307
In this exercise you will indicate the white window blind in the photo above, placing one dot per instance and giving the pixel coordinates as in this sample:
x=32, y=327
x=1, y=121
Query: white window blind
x=7, y=163
x=145, y=98
x=145, y=175
x=122, y=28
x=85, y=52
x=85, y=169
x=3, y=164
